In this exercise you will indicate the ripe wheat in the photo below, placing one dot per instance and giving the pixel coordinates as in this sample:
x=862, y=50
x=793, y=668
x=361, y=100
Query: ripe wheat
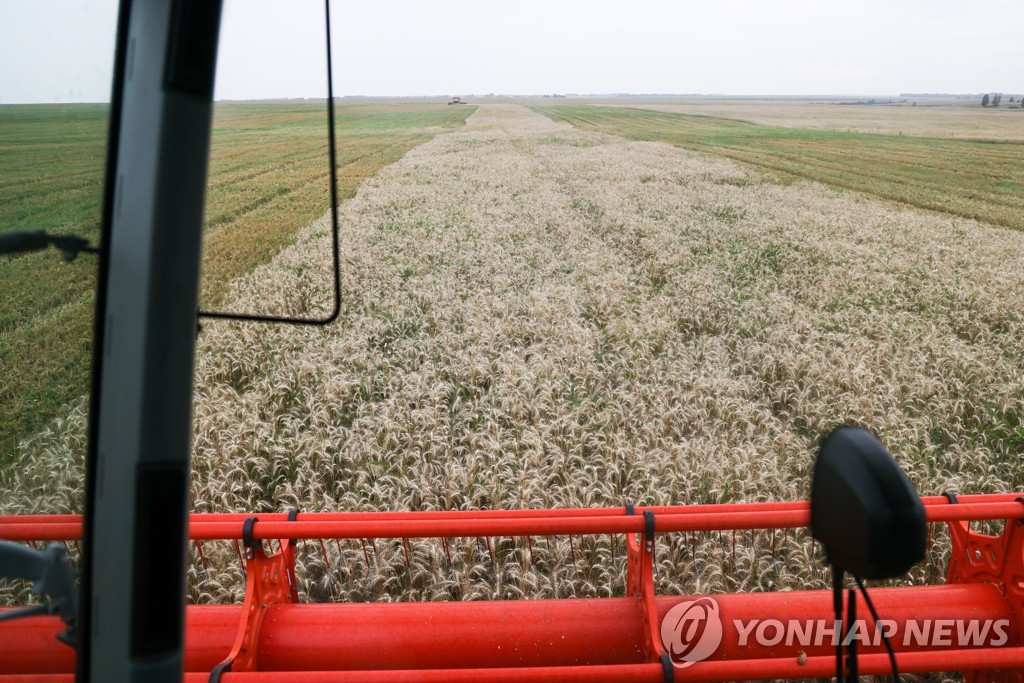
x=539, y=317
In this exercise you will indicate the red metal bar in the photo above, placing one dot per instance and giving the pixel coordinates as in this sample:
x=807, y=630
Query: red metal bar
x=201, y=529
x=512, y=522
x=988, y=659
x=628, y=673
x=606, y=639
x=521, y=633
x=30, y=644
x=564, y=526
x=524, y=513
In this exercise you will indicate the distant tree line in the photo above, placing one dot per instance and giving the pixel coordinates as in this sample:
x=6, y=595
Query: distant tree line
x=995, y=99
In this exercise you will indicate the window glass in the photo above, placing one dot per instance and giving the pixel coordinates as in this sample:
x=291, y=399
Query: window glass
x=55, y=89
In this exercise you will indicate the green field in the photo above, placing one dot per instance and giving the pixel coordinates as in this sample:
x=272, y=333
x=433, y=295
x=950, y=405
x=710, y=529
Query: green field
x=268, y=178
x=983, y=180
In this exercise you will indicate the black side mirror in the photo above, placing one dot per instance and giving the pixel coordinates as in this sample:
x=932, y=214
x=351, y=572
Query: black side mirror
x=864, y=510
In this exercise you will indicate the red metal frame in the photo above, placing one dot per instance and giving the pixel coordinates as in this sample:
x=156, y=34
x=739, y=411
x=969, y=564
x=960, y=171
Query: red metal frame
x=270, y=581
x=996, y=560
x=270, y=637
x=640, y=585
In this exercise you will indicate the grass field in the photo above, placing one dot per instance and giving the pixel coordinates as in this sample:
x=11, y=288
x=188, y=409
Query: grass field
x=268, y=178
x=538, y=316
x=961, y=178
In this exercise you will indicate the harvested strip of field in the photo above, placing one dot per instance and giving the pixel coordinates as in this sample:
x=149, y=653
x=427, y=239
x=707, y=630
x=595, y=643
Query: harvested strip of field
x=268, y=179
x=958, y=119
x=536, y=316
x=962, y=178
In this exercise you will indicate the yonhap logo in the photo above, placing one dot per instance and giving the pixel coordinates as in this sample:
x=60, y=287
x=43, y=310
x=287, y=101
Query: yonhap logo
x=691, y=631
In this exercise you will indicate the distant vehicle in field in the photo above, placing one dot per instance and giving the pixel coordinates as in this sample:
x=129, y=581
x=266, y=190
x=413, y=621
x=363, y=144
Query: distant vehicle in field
x=456, y=100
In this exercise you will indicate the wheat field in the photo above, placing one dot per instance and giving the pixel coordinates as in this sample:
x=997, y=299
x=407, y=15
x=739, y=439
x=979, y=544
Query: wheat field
x=535, y=316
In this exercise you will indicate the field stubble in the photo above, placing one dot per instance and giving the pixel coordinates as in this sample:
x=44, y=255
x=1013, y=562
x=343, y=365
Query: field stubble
x=535, y=316
x=981, y=180
x=955, y=119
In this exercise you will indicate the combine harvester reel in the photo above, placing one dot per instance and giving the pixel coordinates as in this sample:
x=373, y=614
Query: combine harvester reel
x=863, y=510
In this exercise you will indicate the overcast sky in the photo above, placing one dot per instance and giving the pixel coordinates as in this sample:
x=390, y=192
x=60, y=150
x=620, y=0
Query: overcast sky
x=61, y=50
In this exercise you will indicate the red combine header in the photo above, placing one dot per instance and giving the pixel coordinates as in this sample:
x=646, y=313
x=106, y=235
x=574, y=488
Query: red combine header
x=972, y=623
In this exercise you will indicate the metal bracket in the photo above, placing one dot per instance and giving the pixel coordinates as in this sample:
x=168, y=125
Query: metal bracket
x=668, y=669
x=640, y=584
x=269, y=581
x=998, y=560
